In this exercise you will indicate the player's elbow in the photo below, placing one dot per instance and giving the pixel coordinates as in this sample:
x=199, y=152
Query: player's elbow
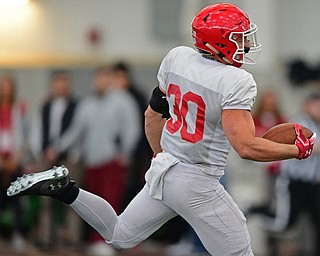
x=244, y=151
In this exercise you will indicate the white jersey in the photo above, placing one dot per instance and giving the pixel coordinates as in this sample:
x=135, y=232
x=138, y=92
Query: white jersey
x=198, y=90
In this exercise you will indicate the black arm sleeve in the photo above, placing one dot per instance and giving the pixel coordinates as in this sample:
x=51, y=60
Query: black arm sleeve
x=159, y=103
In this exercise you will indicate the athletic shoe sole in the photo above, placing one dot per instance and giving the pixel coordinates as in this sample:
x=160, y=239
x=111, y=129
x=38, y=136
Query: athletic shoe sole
x=49, y=182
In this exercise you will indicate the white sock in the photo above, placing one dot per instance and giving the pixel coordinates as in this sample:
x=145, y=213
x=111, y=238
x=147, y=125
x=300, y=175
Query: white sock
x=97, y=212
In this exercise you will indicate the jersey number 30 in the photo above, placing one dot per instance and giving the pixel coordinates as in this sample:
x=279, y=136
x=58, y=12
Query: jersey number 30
x=180, y=109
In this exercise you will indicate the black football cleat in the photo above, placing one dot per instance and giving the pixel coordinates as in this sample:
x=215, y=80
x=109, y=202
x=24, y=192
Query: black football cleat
x=46, y=183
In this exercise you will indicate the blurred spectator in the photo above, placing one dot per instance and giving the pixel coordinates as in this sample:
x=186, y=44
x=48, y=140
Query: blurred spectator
x=13, y=149
x=107, y=123
x=298, y=184
x=142, y=153
x=267, y=112
x=57, y=112
x=56, y=115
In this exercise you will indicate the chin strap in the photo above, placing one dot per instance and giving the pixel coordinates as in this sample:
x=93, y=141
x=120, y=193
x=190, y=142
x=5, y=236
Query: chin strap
x=220, y=56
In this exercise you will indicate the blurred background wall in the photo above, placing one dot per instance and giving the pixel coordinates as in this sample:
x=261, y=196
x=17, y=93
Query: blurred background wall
x=37, y=36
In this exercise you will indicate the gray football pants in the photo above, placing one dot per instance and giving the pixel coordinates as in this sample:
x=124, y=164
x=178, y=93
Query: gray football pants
x=198, y=197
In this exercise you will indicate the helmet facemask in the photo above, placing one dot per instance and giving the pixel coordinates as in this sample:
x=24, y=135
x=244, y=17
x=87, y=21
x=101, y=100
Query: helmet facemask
x=243, y=54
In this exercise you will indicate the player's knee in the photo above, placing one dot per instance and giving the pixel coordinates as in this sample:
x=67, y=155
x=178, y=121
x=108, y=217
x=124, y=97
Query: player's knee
x=123, y=244
x=125, y=238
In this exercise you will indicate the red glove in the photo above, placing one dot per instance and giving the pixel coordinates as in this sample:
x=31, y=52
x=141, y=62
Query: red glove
x=305, y=145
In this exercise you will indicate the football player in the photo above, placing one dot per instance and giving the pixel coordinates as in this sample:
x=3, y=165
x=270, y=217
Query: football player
x=202, y=106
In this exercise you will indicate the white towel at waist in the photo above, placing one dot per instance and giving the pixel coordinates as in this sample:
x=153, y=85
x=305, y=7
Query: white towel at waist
x=158, y=168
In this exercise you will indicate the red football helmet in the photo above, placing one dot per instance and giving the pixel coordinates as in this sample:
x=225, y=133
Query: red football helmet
x=225, y=31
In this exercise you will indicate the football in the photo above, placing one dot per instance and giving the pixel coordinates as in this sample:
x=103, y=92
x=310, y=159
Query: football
x=285, y=133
